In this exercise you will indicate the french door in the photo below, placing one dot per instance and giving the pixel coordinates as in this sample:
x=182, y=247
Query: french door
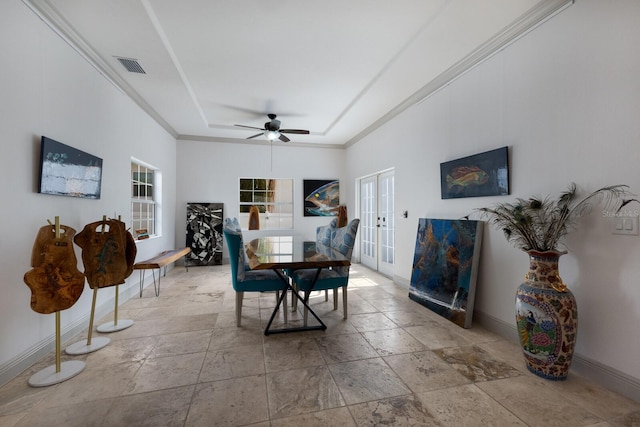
x=377, y=222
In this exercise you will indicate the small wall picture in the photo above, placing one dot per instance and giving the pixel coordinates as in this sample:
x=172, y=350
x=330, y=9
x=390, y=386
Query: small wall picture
x=67, y=171
x=484, y=174
x=321, y=197
x=445, y=267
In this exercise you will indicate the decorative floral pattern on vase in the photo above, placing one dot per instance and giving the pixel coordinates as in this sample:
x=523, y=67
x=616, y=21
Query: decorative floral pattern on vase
x=547, y=318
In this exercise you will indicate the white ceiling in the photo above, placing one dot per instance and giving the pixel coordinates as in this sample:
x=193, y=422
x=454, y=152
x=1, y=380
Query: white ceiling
x=339, y=68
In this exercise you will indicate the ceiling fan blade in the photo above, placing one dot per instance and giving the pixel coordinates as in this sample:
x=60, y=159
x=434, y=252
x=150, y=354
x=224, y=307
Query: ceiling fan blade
x=256, y=135
x=249, y=127
x=244, y=110
x=284, y=138
x=298, y=131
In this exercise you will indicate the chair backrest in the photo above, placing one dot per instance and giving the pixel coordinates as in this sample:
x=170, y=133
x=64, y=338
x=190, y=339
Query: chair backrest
x=232, y=224
x=343, y=239
x=235, y=246
x=324, y=233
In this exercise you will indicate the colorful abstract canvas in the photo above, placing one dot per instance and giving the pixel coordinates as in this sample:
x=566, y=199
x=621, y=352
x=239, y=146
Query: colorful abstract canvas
x=484, y=174
x=321, y=197
x=445, y=267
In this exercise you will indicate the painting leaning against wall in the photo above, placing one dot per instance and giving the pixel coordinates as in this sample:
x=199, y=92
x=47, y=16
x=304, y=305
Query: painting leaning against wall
x=445, y=267
x=204, y=233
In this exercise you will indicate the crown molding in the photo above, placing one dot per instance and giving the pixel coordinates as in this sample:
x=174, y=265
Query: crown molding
x=256, y=142
x=52, y=18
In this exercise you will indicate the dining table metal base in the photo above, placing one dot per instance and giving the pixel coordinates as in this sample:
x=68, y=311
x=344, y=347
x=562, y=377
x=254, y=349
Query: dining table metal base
x=288, y=287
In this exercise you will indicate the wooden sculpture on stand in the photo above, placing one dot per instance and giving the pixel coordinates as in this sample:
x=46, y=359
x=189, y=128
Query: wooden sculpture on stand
x=55, y=281
x=108, y=254
x=56, y=284
x=342, y=216
x=254, y=218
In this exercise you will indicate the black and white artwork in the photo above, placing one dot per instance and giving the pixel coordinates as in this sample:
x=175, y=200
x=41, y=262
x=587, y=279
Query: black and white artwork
x=204, y=233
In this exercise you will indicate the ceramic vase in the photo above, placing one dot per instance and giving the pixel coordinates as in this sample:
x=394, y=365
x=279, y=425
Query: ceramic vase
x=546, y=317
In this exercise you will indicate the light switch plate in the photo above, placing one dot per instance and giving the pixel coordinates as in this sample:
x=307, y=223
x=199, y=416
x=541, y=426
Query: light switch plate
x=626, y=225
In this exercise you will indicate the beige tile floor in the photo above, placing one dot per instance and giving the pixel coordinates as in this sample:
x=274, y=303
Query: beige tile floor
x=185, y=363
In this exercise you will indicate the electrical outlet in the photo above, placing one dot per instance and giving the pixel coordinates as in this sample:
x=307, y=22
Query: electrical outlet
x=626, y=225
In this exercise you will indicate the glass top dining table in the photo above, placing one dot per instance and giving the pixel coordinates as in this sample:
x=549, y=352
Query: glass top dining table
x=280, y=253
x=291, y=252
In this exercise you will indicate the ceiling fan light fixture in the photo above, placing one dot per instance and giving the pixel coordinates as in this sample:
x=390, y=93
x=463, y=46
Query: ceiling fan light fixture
x=272, y=135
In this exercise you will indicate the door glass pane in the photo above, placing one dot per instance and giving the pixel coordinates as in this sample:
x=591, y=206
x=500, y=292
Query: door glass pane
x=387, y=219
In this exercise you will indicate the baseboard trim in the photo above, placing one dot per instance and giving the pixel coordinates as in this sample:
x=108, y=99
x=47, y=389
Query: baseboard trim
x=597, y=372
x=32, y=355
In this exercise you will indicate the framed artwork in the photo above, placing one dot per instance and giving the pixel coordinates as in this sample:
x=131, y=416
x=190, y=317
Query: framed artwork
x=321, y=197
x=204, y=233
x=445, y=267
x=67, y=171
x=484, y=174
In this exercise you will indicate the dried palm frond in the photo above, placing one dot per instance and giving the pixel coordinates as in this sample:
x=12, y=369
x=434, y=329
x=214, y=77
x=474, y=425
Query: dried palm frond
x=540, y=224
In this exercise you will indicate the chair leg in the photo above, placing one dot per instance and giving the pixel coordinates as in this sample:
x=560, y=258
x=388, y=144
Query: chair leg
x=344, y=301
x=239, y=296
x=294, y=300
x=306, y=311
x=285, y=309
x=335, y=298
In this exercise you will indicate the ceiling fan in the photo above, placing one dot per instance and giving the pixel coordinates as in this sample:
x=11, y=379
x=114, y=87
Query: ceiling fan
x=272, y=130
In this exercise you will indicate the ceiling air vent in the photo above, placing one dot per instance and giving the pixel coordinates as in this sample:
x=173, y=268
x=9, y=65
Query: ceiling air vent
x=131, y=65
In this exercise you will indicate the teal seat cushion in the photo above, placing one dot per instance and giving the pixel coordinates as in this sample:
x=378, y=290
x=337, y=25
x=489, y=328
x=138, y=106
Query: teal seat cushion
x=328, y=279
x=260, y=280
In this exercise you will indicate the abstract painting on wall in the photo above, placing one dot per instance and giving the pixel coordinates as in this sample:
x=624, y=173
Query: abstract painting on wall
x=445, y=267
x=67, y=171
x=484, y=174
x=321, y=197
x=204, y=233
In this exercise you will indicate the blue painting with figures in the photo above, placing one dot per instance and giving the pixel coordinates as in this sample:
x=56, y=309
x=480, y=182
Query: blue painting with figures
x=445, y=267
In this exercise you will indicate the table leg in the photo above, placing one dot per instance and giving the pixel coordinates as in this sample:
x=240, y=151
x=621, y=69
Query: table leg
x=287, y=287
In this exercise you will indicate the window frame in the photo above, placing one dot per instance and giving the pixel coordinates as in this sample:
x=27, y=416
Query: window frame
x=275, y=214
x=149, y=217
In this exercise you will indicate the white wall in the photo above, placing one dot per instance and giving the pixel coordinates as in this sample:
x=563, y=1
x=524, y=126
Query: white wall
x=46, y=88
x=565, y=99
x=210, y=172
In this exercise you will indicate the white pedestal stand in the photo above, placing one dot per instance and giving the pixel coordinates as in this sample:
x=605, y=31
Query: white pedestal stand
x=115, y=325
x=91, y=345
x=60, y=371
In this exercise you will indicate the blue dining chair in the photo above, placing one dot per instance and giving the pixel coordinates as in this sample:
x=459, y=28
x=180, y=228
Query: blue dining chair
x=323, y=237
x=341, y=239
x=243, y=278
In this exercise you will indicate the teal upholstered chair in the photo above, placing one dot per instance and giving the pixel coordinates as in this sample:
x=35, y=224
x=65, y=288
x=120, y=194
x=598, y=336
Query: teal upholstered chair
x=323, y=237
x=342, y=239
x=243, y=278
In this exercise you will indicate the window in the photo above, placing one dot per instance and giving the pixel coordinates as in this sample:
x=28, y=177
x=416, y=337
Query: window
x=145, y=182
x=274, y=199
